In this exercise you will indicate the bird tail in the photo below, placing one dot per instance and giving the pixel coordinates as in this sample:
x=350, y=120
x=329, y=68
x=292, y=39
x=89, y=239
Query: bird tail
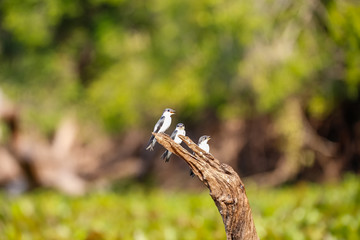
x=151, y=143
x=192, y=174
x=166, y=155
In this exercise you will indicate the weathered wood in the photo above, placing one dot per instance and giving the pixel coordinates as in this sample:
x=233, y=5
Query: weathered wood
x=225, y=185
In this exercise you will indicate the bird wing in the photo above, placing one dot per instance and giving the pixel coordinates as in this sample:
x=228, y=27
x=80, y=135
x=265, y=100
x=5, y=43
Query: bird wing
x=173, y=135
x=159, y=124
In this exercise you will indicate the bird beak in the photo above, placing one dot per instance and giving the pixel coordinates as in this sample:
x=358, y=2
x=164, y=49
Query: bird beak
x=172, y=112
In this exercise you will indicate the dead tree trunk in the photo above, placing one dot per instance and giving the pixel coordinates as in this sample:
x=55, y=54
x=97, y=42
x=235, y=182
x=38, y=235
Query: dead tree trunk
x=10, y=116
x=225, y=185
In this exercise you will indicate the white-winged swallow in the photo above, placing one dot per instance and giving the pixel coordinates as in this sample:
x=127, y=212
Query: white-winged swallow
x=203, y=144
x=179, y=130
x=161, y=126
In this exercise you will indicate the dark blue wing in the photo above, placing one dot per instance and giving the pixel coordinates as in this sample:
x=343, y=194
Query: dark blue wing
x=159, y=124
x=173, y=135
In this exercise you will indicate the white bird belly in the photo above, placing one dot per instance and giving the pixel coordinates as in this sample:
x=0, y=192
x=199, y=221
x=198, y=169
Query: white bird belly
x=177, y=139
x=166, y=125
x=204, y=147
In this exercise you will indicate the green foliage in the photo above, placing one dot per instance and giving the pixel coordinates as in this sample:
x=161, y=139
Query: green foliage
x=106, y=215
x=308, y=211
x=344, y=25
x=305, y=211
x=124, y=61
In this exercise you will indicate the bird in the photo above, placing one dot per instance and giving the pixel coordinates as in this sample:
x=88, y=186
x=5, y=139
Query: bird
x=179, y=130
x=161, y=126
x=203, y=144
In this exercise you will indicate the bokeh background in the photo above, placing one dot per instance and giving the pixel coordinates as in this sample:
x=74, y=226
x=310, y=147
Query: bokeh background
x=82, y=83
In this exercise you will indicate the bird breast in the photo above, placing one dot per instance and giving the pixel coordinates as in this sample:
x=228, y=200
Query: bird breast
x=177, y=139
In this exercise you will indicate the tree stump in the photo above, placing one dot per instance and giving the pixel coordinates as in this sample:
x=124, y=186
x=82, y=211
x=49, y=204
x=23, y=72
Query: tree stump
x=225, y=185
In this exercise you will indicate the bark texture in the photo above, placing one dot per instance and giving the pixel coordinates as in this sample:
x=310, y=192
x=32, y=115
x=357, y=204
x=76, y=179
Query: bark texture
x=225, y=185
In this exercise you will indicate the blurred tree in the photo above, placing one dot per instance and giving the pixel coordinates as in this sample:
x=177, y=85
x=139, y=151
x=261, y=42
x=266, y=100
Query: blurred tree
x=126, y=60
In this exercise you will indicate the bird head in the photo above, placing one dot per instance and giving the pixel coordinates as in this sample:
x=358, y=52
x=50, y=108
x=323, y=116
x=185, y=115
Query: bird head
x=204, y=139
x=169, y=111
x=180, y=126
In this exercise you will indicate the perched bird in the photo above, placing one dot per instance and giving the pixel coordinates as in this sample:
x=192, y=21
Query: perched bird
x=203, y=144
x=179, y=130
x=161, y=126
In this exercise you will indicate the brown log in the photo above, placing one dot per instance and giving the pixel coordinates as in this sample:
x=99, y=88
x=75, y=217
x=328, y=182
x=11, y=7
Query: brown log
x=225, y=185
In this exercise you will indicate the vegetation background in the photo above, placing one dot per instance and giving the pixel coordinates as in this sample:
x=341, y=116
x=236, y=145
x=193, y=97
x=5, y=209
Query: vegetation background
x=275, y=83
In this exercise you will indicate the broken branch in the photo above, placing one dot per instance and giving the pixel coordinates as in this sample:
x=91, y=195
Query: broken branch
x=225, y=185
